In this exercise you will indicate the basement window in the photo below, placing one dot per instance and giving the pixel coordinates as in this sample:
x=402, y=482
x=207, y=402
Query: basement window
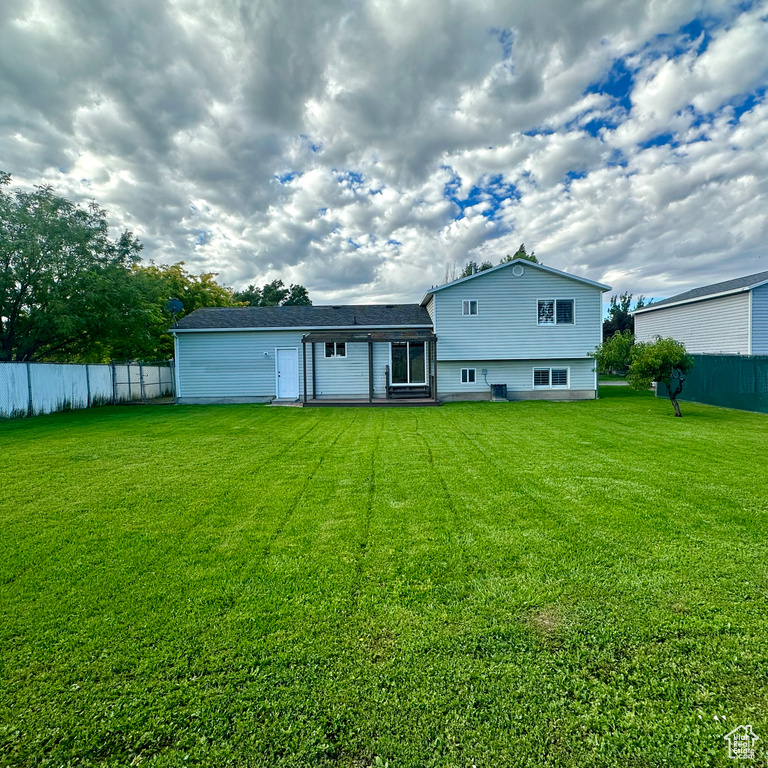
x=468, y=375
x=335, y=349
x=550, y=378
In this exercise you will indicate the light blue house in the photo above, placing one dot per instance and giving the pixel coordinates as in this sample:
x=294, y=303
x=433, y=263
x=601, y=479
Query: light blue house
x=524, y=327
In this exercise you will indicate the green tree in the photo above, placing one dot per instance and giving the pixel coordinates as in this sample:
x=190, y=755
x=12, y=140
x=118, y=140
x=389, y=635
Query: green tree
x=619, y=318
x=154, y=286
x=521, y=253
x=472, y=268
x=664, y=361
x=297, y=297
x=64, y=283
x=274, y=294
x=615, y=354
x=250, y=296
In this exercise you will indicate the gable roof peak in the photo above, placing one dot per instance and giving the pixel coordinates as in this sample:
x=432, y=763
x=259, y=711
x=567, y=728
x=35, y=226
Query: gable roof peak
x=513, y=262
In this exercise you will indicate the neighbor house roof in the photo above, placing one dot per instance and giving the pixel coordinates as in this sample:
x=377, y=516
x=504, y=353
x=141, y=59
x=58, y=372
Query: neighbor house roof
x=311, y=317
x=726, y=288
x=525, y=263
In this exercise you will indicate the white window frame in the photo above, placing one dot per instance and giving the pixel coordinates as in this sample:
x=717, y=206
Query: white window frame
x=335, y=350
x=409, y=383
x=466, y=307
x=549, y=370
x=554, y=312
x=474, y=376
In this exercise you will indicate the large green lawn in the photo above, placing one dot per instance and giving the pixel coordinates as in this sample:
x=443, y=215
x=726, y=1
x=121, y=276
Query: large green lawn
x=481, y=584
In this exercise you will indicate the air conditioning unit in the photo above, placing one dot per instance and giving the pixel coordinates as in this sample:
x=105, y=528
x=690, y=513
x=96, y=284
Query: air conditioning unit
x=498, y=392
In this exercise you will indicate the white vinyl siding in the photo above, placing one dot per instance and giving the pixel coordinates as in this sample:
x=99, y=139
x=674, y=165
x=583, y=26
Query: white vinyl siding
x=516, y=374
x=431, y=308
x=508, y=328
x=719, y=325
x=223, y=365
x=760, y=320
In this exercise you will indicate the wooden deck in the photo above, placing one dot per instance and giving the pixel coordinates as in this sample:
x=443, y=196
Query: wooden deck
x=378, y=402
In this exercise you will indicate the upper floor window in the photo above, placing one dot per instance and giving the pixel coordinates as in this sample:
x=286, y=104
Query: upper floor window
x=469, y=307
x=555, y=312
x=335, y=349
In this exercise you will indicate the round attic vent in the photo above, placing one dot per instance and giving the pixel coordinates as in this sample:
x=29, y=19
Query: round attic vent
x=518, y=270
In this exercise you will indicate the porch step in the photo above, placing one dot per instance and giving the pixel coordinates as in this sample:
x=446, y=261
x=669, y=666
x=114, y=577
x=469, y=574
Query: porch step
x=409, y=393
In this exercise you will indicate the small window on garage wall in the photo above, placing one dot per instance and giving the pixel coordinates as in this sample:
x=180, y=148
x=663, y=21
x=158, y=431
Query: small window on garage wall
x=335, y=349
x=468, y=375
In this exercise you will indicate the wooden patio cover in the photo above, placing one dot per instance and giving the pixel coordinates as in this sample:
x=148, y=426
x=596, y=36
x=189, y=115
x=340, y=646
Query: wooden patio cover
x=362, y=337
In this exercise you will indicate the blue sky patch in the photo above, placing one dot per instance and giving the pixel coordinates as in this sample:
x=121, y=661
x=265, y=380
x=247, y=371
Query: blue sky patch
x=287, y=176
x=491, y=189
x=315, y=146
x=663, y=139
x=506, y=37
x=350, y=179
x=617, y=83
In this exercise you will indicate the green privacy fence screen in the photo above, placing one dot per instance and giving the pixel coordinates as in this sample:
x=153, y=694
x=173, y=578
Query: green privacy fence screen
x=732, y=381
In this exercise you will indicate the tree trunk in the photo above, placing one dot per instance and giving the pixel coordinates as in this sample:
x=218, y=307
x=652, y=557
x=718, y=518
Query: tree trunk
x=673, y=393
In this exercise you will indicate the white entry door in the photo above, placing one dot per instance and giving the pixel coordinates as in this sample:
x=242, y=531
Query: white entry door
x=287, y=374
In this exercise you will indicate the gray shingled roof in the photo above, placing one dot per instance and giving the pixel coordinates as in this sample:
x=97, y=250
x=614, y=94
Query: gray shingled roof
x=364, y=315
x=727, y=286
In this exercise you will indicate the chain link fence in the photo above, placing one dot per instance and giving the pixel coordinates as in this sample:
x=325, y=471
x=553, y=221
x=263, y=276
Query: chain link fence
x=731, y=381
x=141, y=382
x=30, y=389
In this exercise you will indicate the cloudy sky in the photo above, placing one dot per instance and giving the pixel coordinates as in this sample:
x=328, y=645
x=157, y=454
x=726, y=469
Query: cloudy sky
x=362, y=147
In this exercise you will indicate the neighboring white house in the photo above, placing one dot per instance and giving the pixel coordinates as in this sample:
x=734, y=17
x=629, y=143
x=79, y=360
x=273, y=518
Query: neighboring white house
x=725, y=318
x=521, y=325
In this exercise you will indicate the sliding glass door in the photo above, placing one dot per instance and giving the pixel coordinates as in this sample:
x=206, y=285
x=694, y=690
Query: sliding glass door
x=409, y=362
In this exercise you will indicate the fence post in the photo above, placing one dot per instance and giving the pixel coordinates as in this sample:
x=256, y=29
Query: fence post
x=87, y=387
x=141, y=382
x=172, y=369
x=114, y=383
x=30, y=405
x=130, y=393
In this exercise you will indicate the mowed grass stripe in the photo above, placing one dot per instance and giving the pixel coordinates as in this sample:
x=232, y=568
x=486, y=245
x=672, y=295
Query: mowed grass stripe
x=540, y=584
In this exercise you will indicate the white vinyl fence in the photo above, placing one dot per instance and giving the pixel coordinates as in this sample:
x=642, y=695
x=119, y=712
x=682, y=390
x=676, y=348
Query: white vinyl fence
x=30, y=389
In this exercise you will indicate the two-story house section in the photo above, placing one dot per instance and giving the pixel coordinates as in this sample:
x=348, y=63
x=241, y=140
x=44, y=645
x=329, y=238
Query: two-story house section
x=521, y=324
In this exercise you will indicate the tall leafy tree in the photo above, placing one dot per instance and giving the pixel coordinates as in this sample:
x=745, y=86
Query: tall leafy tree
x=64, y=282
x=273, y=294
x=155, y=285
x=472, y=267
x=521, y=253
x=619, y=318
